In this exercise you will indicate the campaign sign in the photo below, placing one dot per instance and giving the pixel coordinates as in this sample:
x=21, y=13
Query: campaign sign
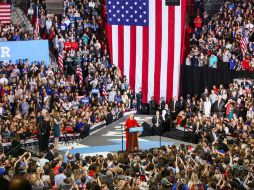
x=95, y=91
x=33, y=50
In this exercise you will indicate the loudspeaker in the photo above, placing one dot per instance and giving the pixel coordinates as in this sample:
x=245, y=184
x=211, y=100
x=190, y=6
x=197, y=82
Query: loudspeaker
x=172, y=2
x=54, y=6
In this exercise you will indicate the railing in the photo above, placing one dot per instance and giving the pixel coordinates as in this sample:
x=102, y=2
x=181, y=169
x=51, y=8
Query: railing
x=53, y=61
x=19, y=18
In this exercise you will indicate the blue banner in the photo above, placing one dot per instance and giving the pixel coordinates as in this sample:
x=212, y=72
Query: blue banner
x=95, y=91
x=33, y=50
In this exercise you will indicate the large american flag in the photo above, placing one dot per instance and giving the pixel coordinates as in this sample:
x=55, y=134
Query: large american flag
x=5, y=13
x=146, y=40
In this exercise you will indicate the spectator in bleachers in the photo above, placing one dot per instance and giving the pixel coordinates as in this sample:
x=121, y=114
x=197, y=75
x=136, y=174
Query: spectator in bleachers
x=220, y=37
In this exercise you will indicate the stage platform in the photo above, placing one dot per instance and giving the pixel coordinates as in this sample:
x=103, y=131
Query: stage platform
x=109, y=139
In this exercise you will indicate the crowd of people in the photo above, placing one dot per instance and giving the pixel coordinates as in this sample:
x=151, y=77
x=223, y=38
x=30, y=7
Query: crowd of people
x=10, y=32
x=222, y=121
x=37, y=100
x=216, y=163
x=68, y=104
x=225, y=40
x=79, y=34
x=26, y=90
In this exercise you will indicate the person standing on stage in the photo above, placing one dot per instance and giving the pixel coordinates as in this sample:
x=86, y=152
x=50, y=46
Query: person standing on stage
x=167, y=121
x=174, y=108
x=157, y=123
x=147, y=129
x=152, y=106
x=56, y=129
x=42, y=131
x=139, y=101
x=48, y=128
x=162, y=104
x=131, y=138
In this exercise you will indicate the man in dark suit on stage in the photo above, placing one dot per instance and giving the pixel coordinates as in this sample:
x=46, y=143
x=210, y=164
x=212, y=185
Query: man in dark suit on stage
x=43, y=131
x=153, y=106
x=110, y=117
x=162, y=104
x=139, y=101
x=174, y=107
x=167, y=120
x=147, y=129
x=182, y=103
x=157, y=123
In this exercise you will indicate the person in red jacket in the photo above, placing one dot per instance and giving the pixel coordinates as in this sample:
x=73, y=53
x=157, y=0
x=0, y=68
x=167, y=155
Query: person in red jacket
x=198, y=22
x=246, y=64
x=131, y=138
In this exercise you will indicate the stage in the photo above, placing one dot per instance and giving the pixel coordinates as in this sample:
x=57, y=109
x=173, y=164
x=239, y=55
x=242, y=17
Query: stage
x=109, y=139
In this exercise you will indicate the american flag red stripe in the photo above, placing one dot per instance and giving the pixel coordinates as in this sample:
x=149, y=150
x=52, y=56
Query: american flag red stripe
x=60, y=61
x=150, y=56
x=79, y=75
x=5, y=13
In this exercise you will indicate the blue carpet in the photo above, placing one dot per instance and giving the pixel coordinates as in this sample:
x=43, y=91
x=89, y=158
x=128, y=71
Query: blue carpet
x=118, y=147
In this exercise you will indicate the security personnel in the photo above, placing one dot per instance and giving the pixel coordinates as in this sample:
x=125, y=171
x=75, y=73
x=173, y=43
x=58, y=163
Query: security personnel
x=139, y=101
x=167, y=120
x=162, y=104
x=153, y=106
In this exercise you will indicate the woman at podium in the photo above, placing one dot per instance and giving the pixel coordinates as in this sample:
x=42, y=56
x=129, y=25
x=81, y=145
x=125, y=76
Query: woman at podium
x=131, y=137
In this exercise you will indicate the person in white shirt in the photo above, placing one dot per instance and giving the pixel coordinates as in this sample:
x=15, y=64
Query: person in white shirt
x=207, y=107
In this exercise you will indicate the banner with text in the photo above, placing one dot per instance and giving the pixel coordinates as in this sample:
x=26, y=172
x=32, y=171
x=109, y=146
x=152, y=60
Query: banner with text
x=34, y=50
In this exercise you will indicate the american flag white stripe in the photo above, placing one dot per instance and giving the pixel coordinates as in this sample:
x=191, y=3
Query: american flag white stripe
x=139, y=52
x=177, y=50
x=7, y=14
x=5, y=18
x=164, y=51
x=127, y=51
x=115, y=44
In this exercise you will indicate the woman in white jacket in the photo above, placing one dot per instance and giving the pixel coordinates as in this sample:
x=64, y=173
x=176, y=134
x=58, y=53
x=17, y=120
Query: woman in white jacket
x=207, y=107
